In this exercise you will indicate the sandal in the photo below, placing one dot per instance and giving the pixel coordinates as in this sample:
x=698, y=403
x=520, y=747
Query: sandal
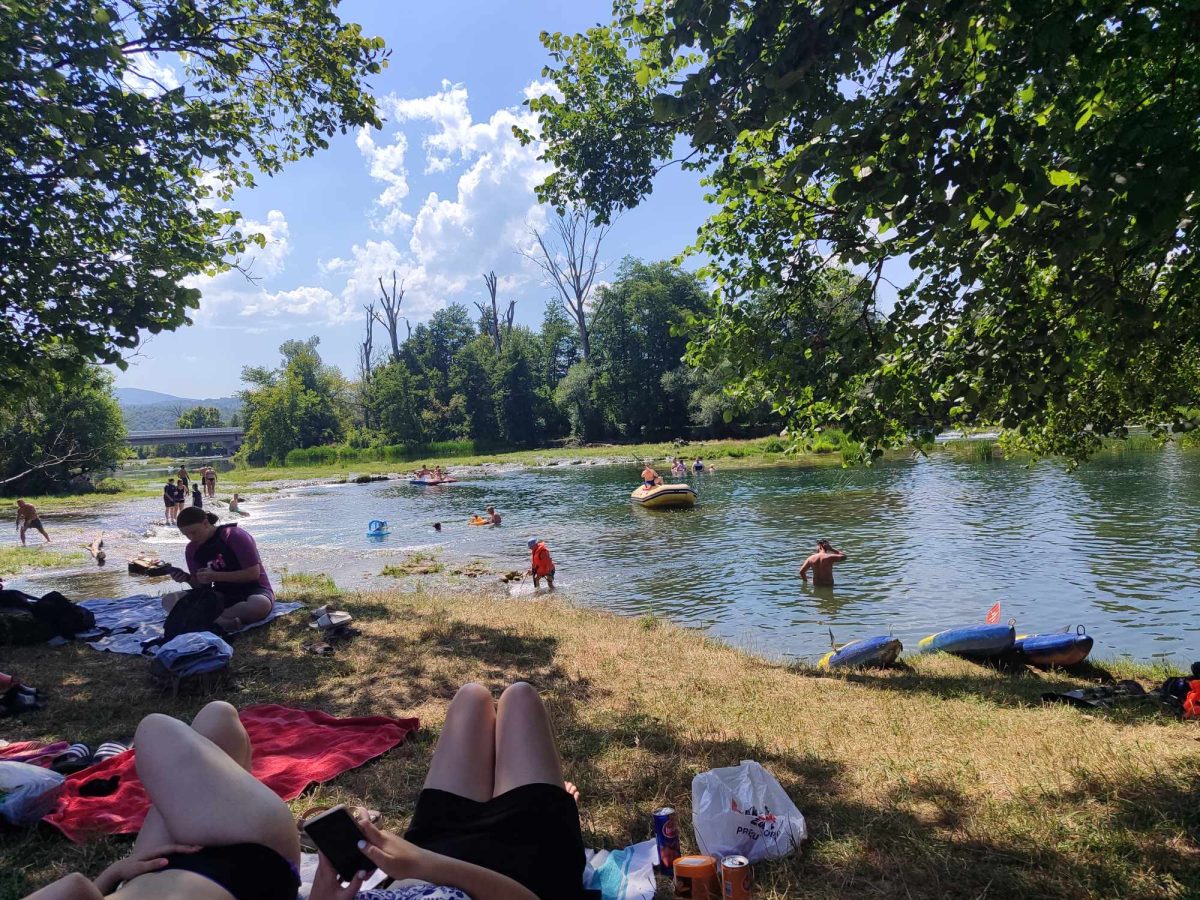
x=76, y=758
x=108, y=750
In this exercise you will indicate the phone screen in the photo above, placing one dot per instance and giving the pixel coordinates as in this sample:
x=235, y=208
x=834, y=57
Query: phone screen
x=336, y=835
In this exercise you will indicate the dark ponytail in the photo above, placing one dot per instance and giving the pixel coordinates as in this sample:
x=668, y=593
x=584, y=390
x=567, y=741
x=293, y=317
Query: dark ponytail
x=194, y=515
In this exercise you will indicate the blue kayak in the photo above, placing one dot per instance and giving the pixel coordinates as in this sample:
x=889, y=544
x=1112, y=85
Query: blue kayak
x=1047, y=650
x=880, y=650
x=975, y=641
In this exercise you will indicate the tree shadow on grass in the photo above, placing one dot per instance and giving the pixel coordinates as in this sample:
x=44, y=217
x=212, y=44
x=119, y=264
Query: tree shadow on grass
x=926, y=838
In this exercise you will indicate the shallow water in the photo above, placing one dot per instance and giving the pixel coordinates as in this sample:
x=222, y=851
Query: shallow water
x=931, y=543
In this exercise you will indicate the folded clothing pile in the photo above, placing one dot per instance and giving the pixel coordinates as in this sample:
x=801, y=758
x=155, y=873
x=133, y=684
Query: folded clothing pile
x=193, y=653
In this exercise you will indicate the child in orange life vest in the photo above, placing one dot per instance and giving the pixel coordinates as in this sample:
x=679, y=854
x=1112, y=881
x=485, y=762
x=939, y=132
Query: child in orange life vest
x=540, y=563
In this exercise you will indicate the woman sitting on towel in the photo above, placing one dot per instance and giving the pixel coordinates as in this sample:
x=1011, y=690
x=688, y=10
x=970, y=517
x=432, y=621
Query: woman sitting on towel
x=495, y=820
x=225, y=559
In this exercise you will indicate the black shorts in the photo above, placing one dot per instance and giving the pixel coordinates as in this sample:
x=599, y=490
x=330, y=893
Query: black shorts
x=531, y=834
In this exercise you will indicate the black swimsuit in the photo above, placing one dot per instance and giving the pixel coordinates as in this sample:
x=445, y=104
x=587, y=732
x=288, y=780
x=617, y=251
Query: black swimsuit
x=248, y=871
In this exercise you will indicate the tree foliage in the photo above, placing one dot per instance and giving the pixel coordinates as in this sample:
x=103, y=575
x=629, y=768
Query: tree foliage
x=110, y=176
x=300, y=404
x=1026, y=173
x=60, y=428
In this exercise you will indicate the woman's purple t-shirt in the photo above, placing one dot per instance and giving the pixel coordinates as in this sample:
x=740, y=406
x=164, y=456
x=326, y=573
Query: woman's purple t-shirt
x=229, y=550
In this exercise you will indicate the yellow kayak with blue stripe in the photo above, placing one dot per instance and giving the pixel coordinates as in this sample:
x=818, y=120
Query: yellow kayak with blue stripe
x=664, y=496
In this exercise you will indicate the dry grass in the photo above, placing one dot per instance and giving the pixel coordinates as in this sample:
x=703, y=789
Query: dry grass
x=943, y=780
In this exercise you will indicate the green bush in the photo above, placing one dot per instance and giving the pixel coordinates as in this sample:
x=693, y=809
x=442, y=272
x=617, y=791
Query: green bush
x=774, y=445
x=111, y=486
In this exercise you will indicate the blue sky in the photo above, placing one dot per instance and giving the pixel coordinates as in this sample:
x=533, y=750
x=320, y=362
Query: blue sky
x=442, y=193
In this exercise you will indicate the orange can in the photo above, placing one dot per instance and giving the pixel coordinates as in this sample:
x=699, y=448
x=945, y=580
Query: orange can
x=696, y=878
x=735, y=878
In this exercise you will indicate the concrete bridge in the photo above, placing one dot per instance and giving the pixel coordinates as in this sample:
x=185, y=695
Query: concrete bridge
x=229, y=438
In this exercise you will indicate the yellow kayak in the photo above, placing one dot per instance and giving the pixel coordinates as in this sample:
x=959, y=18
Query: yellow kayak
x=664, y=496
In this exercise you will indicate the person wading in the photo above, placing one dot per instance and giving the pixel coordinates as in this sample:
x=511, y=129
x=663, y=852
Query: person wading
x=821, y=564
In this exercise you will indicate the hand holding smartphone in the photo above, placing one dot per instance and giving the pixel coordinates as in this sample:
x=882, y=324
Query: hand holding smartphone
x=337, y=836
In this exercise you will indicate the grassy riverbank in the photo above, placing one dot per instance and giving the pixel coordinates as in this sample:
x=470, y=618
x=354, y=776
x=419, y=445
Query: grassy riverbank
x=35, y=556
x=940, y=779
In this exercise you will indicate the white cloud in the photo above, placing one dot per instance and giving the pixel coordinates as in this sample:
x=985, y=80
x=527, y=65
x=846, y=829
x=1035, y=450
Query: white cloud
x=387, y=165
x=474, y=225
x=307, y=302
x=149, y=77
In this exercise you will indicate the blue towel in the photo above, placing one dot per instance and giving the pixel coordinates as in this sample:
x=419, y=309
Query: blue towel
x=145, y=615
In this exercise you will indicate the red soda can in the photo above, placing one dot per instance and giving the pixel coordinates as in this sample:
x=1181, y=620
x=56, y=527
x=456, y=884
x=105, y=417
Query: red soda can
x=735, y=878
x=666, y=836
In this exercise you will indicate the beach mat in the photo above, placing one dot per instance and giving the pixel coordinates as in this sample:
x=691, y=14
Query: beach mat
x=293, y=748
x=144, y=614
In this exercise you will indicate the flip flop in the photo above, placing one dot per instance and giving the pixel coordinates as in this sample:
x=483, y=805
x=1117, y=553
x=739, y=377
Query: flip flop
x=76, y=758
x=334, y=620
x=108, y=750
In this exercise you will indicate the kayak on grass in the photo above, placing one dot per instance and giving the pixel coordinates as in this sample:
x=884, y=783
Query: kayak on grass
x=1047, y=650
x=879, y=651
x=973, y=641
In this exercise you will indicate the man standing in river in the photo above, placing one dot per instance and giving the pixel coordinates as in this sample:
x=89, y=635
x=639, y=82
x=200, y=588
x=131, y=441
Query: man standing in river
x=27, y=518
x=821, y=564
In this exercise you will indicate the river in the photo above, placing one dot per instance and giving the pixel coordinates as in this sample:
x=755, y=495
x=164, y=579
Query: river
x=931, y=543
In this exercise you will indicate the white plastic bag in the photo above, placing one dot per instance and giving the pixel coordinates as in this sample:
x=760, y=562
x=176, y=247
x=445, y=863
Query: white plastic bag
x=27, y=793
x=743, y=810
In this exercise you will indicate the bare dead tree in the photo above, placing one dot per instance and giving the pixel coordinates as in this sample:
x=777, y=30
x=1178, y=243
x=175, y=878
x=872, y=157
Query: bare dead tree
x=390, y=319
x=569, y=255
x=365, y=349
x=497, y=328
x=366, y=346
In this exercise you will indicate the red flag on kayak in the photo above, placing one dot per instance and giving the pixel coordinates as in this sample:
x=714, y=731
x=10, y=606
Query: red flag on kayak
x=993, y=615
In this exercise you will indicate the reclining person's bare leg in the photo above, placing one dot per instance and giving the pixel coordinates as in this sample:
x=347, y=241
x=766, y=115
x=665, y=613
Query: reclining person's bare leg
x=199, y=781
x=525, y=751
x=465, y=754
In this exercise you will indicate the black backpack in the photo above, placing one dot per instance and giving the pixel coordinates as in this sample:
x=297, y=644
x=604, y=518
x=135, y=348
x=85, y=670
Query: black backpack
x=63, y=617
x=196, y=610
x=28, y=620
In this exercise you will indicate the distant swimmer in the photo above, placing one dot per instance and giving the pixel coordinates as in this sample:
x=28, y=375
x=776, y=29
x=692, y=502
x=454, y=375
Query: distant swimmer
x=821, y=563
x=650, y=478
x=493, y=517
x=698, y=465
x=27, y=517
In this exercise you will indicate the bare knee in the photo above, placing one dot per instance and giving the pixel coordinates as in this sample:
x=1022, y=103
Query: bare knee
x=216, y=712
x=153, y=730
x=521, y=692
x=473, y=693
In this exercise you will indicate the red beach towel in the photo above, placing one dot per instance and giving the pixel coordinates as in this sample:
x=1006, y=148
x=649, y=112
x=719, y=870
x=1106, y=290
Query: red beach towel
x=293, y=748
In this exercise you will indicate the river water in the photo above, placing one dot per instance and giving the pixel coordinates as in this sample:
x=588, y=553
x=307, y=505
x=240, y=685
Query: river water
x=931, y=543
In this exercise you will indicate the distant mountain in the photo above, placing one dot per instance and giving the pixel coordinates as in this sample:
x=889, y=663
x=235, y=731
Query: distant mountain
x=149, y=410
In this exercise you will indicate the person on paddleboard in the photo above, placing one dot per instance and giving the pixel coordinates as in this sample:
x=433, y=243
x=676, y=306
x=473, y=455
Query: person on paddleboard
x=821, y=563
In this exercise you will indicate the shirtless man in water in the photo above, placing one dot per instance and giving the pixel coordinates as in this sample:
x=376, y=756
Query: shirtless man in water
x=27, y=518
x=821, y=564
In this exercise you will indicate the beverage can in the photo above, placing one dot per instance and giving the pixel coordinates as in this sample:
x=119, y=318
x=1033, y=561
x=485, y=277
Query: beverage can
x=696, y=878
x=735, y=878
x=666, y=837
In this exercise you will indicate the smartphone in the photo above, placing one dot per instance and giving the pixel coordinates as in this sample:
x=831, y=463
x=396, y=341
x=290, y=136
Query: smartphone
x=337, y=836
